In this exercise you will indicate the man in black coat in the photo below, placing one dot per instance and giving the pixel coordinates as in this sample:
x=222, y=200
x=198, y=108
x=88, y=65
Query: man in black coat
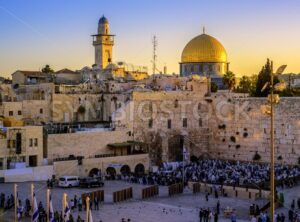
x=201, y=214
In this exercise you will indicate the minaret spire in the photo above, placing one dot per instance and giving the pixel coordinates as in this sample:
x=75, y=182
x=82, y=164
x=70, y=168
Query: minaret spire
x=203, y=29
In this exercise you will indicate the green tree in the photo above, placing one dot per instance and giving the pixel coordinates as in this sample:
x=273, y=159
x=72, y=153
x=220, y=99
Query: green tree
x=264, y=76
x=247, y=84
x=244, y=85
x=213, y=87
x=229, y=80
x=47, y=69
x=81, y=109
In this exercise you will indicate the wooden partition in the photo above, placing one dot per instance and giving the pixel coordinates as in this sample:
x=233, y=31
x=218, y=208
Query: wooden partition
x=99, y=194
x=176, y=188
x=122, y=195
x=150, y=192
x=196, y=187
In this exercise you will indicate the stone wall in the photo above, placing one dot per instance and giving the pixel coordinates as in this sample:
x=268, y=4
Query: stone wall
x=151, y=113
x=232, y=126
x=40, y=173
x=87, y=144
x=240, y=128
x=99, y=107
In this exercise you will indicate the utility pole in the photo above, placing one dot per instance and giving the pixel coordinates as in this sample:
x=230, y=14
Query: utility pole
x=154, y=42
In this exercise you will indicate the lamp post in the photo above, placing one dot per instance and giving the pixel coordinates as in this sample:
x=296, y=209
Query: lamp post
x=272, y=182
x=273, y=100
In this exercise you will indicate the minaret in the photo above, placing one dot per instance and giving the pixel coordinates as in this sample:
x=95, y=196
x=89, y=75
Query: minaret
x=103, y=43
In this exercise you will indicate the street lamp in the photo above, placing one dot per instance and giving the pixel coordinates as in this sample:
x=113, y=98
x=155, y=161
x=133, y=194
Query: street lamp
x=273, y=99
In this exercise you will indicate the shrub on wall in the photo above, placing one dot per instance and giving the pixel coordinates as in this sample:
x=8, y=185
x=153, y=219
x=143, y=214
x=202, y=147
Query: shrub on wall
x=81, y=109
x=256, y=156
x=222, y=126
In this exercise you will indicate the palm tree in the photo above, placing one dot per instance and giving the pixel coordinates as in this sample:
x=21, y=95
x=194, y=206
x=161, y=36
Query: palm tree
x=229, y=80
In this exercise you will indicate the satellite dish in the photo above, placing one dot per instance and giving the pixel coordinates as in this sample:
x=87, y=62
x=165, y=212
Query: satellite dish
x=281, y=69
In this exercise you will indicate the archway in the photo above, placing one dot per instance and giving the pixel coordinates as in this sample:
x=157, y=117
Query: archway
x=175, y=148
x=94, y=172
x=111, y=172
x=139, y=169
x=125, y=170
x=155, y=151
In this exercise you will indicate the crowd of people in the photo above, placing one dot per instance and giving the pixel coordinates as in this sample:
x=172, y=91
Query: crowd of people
x=206, y=214
x=221, y=172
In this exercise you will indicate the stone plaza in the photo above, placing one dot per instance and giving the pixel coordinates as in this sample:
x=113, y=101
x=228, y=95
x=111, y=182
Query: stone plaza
x=179, y=208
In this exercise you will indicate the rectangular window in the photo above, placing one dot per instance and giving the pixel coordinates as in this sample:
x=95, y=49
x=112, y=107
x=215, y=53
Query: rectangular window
x=41, y=111
x=184, y=122
x=11, y=113
x=19, y=112
x=150, y=124
x=200, y=122
x=200, y=68
x=35, y=142
x=169, y=124
x=30, y=142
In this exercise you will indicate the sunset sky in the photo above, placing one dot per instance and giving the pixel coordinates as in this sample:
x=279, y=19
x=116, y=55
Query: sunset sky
x=57, y=32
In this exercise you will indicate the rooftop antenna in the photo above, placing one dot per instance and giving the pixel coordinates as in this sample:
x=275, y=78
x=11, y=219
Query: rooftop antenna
x=154, y=42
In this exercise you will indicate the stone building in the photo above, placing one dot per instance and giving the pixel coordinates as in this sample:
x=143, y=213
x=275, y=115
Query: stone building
x=103, y=42
x=104, y=67
x=30, y=77
x=67, y=76
x=21, y=146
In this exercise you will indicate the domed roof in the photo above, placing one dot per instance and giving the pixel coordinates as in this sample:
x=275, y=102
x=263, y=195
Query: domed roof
x=204, y=48
x=103, y=20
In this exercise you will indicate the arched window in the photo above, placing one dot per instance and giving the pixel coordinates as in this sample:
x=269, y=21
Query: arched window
x=199, y=106
x=200, y=122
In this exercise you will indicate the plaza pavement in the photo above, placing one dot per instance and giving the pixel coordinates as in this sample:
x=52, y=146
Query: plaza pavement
x=179, y=208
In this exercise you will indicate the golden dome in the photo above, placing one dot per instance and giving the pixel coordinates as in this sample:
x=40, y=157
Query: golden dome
x=204, y=48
